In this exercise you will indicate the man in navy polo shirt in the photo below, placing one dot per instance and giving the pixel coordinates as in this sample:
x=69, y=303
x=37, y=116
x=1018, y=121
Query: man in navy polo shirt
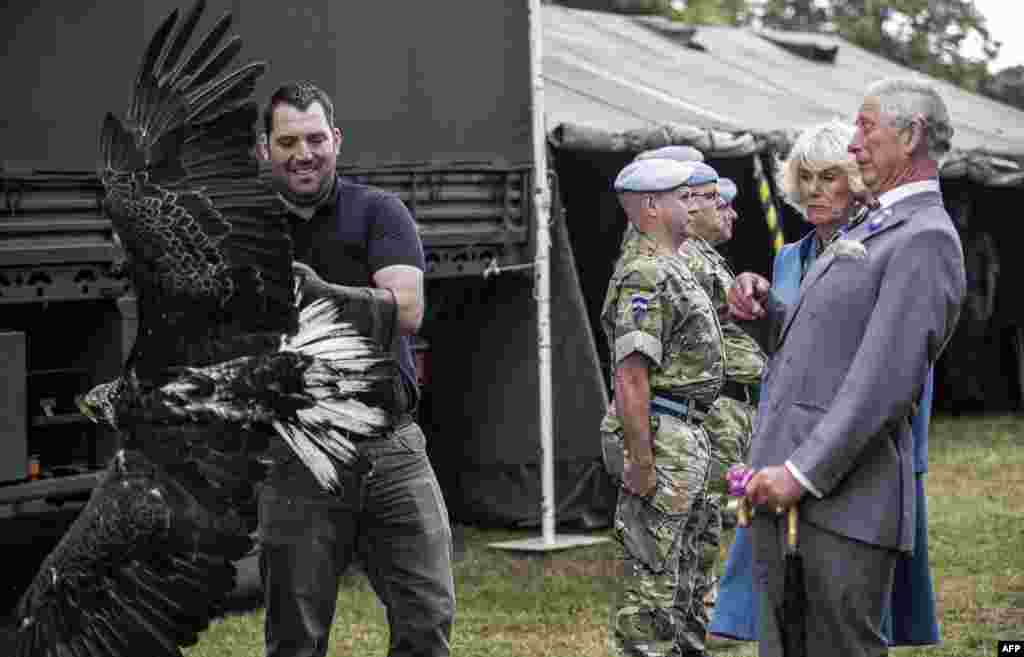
x=360, y=244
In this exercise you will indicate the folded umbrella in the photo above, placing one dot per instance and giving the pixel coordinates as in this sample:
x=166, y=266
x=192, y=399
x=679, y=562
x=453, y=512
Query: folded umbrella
x=791, y=615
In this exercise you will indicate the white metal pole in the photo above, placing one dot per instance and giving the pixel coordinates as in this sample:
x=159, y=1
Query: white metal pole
x=542, y=274
x=542, y=294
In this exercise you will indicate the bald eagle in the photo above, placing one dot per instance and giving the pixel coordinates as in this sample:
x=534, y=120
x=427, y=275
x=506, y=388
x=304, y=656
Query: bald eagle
x=229, y=358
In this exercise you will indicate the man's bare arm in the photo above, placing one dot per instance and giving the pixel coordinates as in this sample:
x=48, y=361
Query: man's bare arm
x=633, y=402
x=406, y=283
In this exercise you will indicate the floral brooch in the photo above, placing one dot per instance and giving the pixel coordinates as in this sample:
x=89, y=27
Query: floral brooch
x=848, y=248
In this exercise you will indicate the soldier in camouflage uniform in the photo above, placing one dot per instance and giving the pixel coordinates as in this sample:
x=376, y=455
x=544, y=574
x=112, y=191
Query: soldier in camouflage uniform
x=730, y=423
x=665, y=338
x=611, y=445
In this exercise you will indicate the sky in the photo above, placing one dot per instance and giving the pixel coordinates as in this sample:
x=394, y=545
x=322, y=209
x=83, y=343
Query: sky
x=1003, y=19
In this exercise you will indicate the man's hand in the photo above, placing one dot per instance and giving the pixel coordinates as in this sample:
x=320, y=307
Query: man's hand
x=774, y=487
x=639, y=479
x=746, y=294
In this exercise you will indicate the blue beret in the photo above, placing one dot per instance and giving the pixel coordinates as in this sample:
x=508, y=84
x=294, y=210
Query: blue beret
x=702, y=175
x=678, y=153
x=653, y=175
x=727, y=189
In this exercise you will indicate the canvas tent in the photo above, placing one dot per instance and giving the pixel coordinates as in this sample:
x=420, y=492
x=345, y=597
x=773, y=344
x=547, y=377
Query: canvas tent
x=618, y=84
x=615, y=85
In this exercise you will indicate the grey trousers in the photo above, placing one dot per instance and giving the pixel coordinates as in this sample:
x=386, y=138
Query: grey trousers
x=847, y=582
x=392, y=516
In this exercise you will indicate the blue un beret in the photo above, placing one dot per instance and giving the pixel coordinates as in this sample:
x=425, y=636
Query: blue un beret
x=702, y=175
x=727, y=189
x=654, y=175
x=678, y=153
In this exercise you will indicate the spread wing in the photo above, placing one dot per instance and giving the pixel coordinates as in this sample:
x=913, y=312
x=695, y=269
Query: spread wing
x=203, y=231
x=140, y=571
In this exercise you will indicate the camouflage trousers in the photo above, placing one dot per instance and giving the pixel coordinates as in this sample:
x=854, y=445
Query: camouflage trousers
x=659, y=609
x=730, y=425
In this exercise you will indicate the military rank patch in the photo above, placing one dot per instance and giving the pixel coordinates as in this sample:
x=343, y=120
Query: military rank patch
x=639, y=307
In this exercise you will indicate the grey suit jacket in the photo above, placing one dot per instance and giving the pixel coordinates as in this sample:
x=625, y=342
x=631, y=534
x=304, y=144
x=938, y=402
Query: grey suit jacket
x=851, y=357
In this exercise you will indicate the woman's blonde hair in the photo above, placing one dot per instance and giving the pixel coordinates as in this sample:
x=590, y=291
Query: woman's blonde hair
x=818, y=148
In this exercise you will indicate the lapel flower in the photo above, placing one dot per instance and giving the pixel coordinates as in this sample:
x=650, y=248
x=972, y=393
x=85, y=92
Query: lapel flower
x=849, y=248
x=739, y=476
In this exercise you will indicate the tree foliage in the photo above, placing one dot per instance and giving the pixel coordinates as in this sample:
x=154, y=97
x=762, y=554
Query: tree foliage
x=713, y=12
x=930, y=36
x=926, y=35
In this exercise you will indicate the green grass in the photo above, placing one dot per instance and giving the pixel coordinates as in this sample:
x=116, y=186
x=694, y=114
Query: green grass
x=557, y=605
x=975, y=534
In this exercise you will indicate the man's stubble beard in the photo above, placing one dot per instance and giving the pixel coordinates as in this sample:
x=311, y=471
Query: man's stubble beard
x=310, y=200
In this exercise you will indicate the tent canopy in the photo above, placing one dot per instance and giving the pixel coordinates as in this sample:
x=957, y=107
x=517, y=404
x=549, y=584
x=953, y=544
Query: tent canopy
x=618, y=73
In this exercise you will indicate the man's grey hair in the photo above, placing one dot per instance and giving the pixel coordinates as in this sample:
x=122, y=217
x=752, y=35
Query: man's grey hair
x=903, y=99
x=818, y=148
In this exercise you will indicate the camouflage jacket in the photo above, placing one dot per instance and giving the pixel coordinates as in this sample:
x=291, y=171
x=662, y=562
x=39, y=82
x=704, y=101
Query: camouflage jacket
x=744, y=359
x=656, y=307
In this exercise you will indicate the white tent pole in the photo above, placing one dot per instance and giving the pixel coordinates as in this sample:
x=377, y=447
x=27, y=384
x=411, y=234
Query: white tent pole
x=542, y=274
x=542, y=294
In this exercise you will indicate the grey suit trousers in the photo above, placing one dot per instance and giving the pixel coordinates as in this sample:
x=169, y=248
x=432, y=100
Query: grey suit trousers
x=847, y=583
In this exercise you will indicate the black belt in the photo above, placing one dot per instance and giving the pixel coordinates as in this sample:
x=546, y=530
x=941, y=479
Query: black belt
x=683, y=408
x=738, y=391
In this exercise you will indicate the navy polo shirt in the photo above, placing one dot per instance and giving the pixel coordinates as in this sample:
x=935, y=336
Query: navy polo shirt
x=359, y=231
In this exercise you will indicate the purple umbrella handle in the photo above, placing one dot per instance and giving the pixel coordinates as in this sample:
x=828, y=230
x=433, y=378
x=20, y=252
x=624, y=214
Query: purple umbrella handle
x=739, y=476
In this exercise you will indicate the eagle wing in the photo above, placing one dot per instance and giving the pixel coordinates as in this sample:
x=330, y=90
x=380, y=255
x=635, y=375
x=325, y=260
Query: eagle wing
x=204, y=233
x=224, y=362
x=141, y=571
x=149, y=560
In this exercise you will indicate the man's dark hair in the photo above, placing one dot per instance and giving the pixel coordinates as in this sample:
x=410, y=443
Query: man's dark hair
x=299, y=95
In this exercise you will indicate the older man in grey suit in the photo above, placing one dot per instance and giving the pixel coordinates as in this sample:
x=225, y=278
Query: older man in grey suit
x=833, y=434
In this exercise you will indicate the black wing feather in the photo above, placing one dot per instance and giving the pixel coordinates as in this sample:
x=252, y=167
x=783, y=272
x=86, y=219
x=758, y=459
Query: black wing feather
x=192, y=69
x=140, y=101
x=171, y=55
